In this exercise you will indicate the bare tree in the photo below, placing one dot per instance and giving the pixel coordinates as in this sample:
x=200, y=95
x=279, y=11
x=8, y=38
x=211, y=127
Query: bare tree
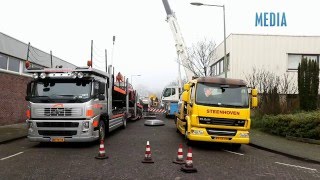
x=273, y=90
x=176, y=82
x=200, y=55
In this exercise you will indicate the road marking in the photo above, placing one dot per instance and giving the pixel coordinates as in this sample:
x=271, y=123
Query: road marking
x=233, y=152
x=296, y=166
x=11, y=156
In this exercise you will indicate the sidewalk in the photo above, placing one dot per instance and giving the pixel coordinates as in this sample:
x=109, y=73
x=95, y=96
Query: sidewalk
x=12, y=132
x=300, y=150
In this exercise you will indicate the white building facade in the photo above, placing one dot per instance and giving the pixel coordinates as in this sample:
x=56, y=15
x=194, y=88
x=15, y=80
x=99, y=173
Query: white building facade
x=278, y=54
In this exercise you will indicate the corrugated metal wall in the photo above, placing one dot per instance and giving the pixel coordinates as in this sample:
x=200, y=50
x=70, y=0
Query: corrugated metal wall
x=269, y=52
x=16, y=48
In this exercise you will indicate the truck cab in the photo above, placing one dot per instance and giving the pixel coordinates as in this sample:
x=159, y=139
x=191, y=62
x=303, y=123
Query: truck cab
x=216, y=110
x=73, y=105
x=170, y=98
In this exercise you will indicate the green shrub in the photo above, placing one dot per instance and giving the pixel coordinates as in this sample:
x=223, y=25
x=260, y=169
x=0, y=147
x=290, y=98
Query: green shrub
x=304, y=124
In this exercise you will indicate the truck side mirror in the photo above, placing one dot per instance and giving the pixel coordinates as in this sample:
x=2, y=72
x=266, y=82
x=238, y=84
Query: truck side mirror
x=101, y=88
x=254, y=92
x=254, y=102
x=186, y=87
x=27, y=98
x=254, y=98
x=185, y=96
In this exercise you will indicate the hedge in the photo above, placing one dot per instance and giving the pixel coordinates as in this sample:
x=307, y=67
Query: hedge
x=303, y=124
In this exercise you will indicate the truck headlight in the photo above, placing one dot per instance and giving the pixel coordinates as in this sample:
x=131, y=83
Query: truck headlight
x=80, y=75
x=85, y=124
x=244, y=135
x=197, y=132
x=29, y=124
x=35, y=75
x=43, y=75
x=73, y=75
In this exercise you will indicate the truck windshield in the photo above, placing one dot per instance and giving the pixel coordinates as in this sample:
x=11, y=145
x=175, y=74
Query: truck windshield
x=222, y=95
x=169, y=92
x=63, y=91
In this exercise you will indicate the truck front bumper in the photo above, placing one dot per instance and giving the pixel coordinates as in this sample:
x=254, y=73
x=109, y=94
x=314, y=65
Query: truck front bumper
x=47, y=131
x=241, y=137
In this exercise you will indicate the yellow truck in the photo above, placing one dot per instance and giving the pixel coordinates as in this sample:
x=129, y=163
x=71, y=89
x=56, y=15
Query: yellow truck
x=216, y=110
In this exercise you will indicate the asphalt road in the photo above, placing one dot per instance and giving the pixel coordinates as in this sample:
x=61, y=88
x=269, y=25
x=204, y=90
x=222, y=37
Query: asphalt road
x=22, y=159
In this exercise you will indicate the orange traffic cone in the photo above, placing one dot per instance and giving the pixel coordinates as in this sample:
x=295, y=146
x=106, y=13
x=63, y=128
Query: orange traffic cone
x=147, y=155
x=179, y=159
x=188, y=168
x=102, y=152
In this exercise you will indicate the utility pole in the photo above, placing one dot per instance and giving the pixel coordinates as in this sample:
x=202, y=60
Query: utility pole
x=105, y=54
x=113, y=39
x=28, y=51
x=51, y=58
x=92, y=53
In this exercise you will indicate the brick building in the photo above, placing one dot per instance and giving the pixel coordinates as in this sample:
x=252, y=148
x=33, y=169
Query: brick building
x=13, y=79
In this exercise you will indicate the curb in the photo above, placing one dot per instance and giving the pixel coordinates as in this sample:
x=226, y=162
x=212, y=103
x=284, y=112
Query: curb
x=285, y=154
x=12, y=139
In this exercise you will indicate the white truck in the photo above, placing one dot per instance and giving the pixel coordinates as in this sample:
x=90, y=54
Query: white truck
x=74, y=105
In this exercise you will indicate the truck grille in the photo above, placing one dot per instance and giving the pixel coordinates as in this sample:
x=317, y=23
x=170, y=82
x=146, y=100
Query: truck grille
x=221, y=132
x=57, y=124
x=69, y=112
x=56, y=133
x=222, y=121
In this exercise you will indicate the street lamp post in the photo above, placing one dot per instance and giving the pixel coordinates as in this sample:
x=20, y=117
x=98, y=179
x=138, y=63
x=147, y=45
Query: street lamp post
x=224, y=29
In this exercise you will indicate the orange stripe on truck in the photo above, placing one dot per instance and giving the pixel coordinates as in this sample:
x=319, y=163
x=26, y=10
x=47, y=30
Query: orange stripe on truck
x=116, y=116
x=89, y=113
x=119, y=90
x=95, y=123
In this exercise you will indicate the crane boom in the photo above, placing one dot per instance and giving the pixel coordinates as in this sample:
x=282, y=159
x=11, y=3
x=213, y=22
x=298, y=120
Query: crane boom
x=180, y=44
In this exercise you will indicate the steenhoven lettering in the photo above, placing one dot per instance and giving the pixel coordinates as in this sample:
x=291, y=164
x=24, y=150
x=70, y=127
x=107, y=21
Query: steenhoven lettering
x=222, y=112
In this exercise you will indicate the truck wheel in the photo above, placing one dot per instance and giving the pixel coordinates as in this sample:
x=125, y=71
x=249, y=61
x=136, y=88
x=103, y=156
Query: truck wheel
x=102, y=130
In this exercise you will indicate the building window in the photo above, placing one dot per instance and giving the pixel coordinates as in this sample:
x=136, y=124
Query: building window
x=221, y=67
x=3, y=61
x=14, y=64
x=218, y=67
x=213, y=70
x=295, y=59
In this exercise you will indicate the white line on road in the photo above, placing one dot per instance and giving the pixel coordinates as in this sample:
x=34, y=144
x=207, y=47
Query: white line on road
x=11, y=156
x=233, y=152
x=296, y=166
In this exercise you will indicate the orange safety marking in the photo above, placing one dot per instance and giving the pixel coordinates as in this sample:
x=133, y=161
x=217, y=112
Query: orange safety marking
x=28, y=113
x=89, y=113
x=59, y=105
x=116, y=116
x=119, y=90
x=95, y=123
x=97, y=106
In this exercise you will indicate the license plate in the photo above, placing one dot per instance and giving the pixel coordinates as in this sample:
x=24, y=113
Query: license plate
x=57, y=140
x=221, y=138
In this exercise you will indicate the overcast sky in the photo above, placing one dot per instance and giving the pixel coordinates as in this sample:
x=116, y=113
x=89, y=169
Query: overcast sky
x=144, y=42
